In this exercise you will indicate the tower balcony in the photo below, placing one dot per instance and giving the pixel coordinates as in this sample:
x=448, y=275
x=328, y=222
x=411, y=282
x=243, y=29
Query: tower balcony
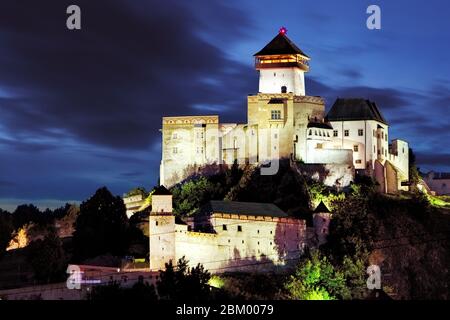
x=288, y=61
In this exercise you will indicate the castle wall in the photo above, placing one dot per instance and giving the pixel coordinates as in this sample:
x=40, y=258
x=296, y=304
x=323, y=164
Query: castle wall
x=188, y=142
x=235, y=243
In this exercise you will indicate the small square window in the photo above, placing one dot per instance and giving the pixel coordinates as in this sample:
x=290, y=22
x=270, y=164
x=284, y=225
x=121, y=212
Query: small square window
x=224, y=227
x=239, y=228
x=355, y=148
x=346, y=133
x=335, y=133
x=360, y=132
x=358, y=161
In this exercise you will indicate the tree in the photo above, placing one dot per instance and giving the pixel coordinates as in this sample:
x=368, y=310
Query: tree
x=193, y=194
x=317, y=279
x=47, y=258
x=140, y=291
x=183, y=283
x=101, y=226
x=26, y=213
x=414, y=173
x=6, y=229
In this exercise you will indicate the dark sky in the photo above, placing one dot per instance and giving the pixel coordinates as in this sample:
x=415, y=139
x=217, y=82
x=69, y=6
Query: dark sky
x=82, y=109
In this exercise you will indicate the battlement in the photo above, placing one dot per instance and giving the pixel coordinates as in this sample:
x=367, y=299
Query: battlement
x=212, y=119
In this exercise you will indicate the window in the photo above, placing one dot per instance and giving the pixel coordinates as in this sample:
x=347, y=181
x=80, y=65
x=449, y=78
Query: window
x=199, y=149
x=200, y=135
x=374, y=150
x=242, y=241
x=346, y=133
x=315, y=132
x=320, y=133
x=258, y=233
x=358, y=161
x=328, y=134
x=385, y=137
x=276, y=114
x=335, y=133
x=319, y=146
x=275, y=135
x=385, y=153
x=239, y=228
x=310, y=132
x=224, y=227
x=355, y=148
x=174, y=136
x=360, y=132
x=175, y=150
x=382, y=135
x=283, y=89
x=156, y=223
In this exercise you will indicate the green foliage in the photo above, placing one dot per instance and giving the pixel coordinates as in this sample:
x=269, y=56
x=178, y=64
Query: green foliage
x=317, y=279
x=183, y=283
x=47, y=258
x=193, y=194
x=414, y=173
x=6, y=230
x=319, y=192
x=137, y=191
x=287, y=189
x=101, y=226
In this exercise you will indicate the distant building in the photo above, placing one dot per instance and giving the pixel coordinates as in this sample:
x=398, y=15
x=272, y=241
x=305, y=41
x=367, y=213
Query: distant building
x=134, y=203
x=439, y=182
x=283, y=122
x=225, y=236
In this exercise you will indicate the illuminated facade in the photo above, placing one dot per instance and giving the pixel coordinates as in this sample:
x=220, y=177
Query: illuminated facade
x=285, y=123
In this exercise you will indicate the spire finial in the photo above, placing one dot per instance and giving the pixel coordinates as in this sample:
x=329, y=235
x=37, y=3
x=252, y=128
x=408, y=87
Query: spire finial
x=282, y=30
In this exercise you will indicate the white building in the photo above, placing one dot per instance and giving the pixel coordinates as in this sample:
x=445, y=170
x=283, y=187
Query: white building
x=283, y=122
x=225, y=236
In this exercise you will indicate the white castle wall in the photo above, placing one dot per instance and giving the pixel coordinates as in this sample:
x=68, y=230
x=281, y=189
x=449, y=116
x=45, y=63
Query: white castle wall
x=271, y=80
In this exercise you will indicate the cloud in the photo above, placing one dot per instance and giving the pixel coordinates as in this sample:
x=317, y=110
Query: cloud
x=109, y=83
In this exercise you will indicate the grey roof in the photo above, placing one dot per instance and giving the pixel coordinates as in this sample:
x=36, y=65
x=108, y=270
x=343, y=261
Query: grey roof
x=321, y=208
x=161, y=191
x=281, y=44
x=354, y=109
x=321, y=125
x=244, y=208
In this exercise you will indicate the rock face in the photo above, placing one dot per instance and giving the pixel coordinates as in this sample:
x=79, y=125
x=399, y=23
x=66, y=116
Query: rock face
x=414, y=256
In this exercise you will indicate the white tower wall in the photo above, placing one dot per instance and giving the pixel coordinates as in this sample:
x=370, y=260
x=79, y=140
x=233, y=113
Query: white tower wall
x=271, y=80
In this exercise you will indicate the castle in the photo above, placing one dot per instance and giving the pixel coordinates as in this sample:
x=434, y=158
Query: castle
x=230, y=236
x=285, y=123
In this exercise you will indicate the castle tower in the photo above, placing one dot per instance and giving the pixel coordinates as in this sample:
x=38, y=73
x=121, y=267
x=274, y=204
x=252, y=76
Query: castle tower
x=321, y=222
x=161, y=229
x=282, y=66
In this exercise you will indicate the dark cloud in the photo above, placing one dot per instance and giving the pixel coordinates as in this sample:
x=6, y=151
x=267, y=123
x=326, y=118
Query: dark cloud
x=110, y=83
x=433, y=160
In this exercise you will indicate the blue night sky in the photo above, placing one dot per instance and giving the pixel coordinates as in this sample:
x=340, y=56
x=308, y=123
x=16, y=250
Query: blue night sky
x=82, y=109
